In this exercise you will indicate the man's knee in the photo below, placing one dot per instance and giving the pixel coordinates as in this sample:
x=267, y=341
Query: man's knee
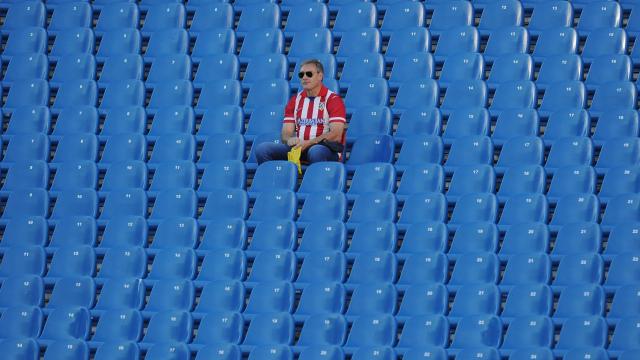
x=318, y=153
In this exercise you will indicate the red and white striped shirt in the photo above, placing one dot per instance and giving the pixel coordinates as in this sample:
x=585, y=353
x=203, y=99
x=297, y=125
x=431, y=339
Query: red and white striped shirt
x=312, y=115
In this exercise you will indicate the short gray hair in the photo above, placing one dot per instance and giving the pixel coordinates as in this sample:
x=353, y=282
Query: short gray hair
x=315, y=62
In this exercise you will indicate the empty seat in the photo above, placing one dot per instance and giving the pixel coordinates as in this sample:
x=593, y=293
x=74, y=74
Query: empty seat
x=354, y=16
x=604, y=41
x=27, y=202
x=222, y=174
x=618, y=152
x=169, y=326
x=469, y=150
x=324, y=176
x=223, y=265
x=273, y=265
x=76, y=120
x=225, y=203
x=213, y=42
x=527, y=300
x=473, y=300
x=584, y=331
x=528, y=332
x=619, y=95
x=74, y=67
x=221, y=296
x=375, y=206
x=474, y=237
x=608, y=68
x=361, y=66
x=130, y=147
x=412, y=93
x=475, y=268
x=515, y=123
x=372, y=177
x=121, y=294
x=72, y=261
x=618, y=181
x=407, y=42
x=126, y=119
x=70, y=15
x=524, y=208
x=420, y=178
x=218, y=328
x=228, y=119
x=513, y=95
x=167, y=42
x=555, y=41
x=321, y=352
x=118, y=42
x=120, y=15
x=399, y=16
x=224, y=234
x=261, y=42
x=264, y=329
x=614, y=124
x=25, y=231
x=599, y=15
x=478, y=331
x=566, y=123
x=569, y=151
x=72, y=41
x=372, y=330
x=303, y=16
x=423, y=268
x=130, y=202
x=176, y=264
x=549, y=15
x=374, y=120
x=221, y=92
x=74, y=231
x=118, y=326
x=28, y=120
x=76, y=147
x=124, y=175
x=474, y=207
x=124, y=93
x=124, y=231
x=426, y=330
x=169, y=68
x=22, y=290
x=20, y=348
x=27, y=174
x=266, y=67
x=409, y=66
x=500, y=14
x=66, y=324
x=258, y=17
x=457, y=40
x=622, y=271
x=24, y=322
x=267, y=92
x=175, y=232
x=448, y=15
x=168, y=350
x=571, y=180
x=579, y=270
x=271, y=352
x=474, y=93
x=369, y=92
x=313, y=43
x=509, y=68
x=27, y=93
x=24, y=14
x=26, y=67
x=372, y=236
x=370, y=148
x=580, y=300
x=620, y=209
x=67, y=349
x=466, y=122
x=559, y=68
x=505, y=41
x=164, y=16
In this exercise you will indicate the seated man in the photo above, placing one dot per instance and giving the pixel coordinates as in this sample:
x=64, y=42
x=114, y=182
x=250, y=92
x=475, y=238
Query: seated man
x=314, y=120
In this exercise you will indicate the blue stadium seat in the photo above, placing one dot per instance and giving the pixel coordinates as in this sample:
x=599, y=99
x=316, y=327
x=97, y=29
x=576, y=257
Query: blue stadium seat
x=260, y=68
x=372, y=177
x=168, y=351
x=527, y=300
x=25, y=41
x=313, y=43
x=225, y=204
x=26, y=202
x=451, y=14
x=513, y=95
x=271, y=352
x=474, y=207
x=478, y=331
x=361, y=66
x=571, y=180
x=274, y=175
x=622, y=271
x=224, y=234
x=175, y=232
x=124, y=175
x=521, y=179
x=73, y=41
x=127, y=293
x=423, y=268
x=124, y=231
x=274, y=234
x=474, y=93
x=320, y=298
x=173, y=264
x=167, y=42
x=409, y=66
x=357, y=41
x=322, y=267
x=550, y=14
x=598, y=15
x=624, y=304
x=23, y=290
x=21, y=322
x=474, y=237
x=402, y=15
x=223, y=119
x=624, y=337
x=265, y=93
x=68, y=16
x=467, y=121
x=509, y=68
x=118, y=325
x=515, y=123
x=582, y=332
x=130, y=147
x=261, y=42
x=469, y=150
x=171, y=93
x=69, y=261
x=419, y=300
x=210, y=16
x=223, y=265
x=119, y=41
x=419, y=149
x=213, y=42
x=163, y=17
x=608, y=68
x=555, y=41
x=117, y=68
x=25, y=231
x=368, y=92
x=528, y=332
x=604, y=41
x=370, y=148
x=171, y=295
x=74, y=231
x=222, y=174
x=323, y=330
x=413, y=242
x=566, y=123
x=28, y=120
x=471, y=300
x=461, y=67
x=168, y=327
x=505, y=41
x=374, y=120
x=376, y=206
x=322, y=235
x=579, y=270
x=500, y=14
x=419, y=179
x=76, y=147
x=478, y=268
x=129, y=202
x=425, y=330
x=524, y=208
x=220, y=92
x=218, y=328
x=620, y=95
x=67, y=350
x=371, y=330
x=26, y=67
x=580, y=300
x=20, y=349
x=324, y=176
x=24, y=14
x=118, y=351
x=569, y=151
x=407, y=42
x=621, y=240
x=457, y=40
x=618, y=152
x=123, y=93
x=303, y=16
x=258, y=17
x=173, y=147
x=67, y=324
x=321, y=352
x=27, y=174
x=74, y=93
x=27, y=93
x=172, y=120
x=275, y=328
x=354, y=16
x=274, y=205
x=372, y=267
x=373, y=236
x=167, y=69
x=221, y=296
x=76, y=120
x=273, y=265
x=118, y=15
x=412, y=93
x=559, y=68
x=615, y=124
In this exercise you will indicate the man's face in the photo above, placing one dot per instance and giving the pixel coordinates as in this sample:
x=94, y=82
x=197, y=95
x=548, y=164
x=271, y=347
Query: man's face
x=312, y=82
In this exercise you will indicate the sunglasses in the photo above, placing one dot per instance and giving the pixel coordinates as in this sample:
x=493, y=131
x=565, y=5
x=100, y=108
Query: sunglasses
x=309, y=74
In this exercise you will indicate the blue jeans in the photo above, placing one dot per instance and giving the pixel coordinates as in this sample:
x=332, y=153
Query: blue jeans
x=271, y=151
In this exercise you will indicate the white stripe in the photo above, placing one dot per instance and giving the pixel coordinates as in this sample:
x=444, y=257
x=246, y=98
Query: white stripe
x=316, y=106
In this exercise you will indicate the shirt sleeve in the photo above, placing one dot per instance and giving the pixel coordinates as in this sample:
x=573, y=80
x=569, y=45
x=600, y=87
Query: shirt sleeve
x=337, y=111
x=289, y=116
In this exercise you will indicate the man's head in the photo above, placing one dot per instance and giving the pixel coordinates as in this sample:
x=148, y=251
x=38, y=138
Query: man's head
x=311, y=74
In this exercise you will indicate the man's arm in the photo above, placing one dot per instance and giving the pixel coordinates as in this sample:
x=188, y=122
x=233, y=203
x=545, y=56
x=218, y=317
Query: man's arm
x=335, y=134
x=288, y=134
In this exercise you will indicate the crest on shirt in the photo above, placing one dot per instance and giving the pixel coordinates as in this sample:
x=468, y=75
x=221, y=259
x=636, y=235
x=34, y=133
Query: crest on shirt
x=321, y=106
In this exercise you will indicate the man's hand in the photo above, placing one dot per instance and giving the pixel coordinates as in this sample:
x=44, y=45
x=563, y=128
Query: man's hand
x=304, y=145
x=293, y=141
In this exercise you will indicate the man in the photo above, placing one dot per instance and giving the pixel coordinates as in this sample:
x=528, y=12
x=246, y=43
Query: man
x=314, y=121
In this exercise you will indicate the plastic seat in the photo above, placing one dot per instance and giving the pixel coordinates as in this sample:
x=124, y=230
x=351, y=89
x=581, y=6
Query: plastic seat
x=261, y=42
x=119, y=42
x=225, y=204
x=419, y=179
x=620, y=209
x=24, y=322
x=407, y=42
x=324, y=176
x=423, y=299
x=267, y=92
x=412, y=93
x=217, y=328
x=500, y=14
x=67, y=350
x=168, y=351
x=28, y=120
x=473, y=91
x=171, y=93
x=407, y=67
x=74, y=231
x=357, y=41
x=474, y=237
x=225, y=147
x=372, y=330
x=164, y=16
x=464, y=39
x=372, y=267
x=478, y=331
x=124, y=93
x=222, y=92
x=22, y=290
x=618, y=181
x=124, y=231
x=585, y=331
x=175, y=232
x=595, y=16
x=510, y=68
x=223, y=265
x=167, y=327
x=74, y=93
x=524, y=208
x=269, y=298
x=527, y=300
x=273, y=329
x=370, y=148
x=222, y=174
x=25, y=175
x=121, y=294
x=72, y=41
x=258, y=17
x=210, y=16
x=224, y=234
x=550, y=14
x=618, y=152
x=167, y=42
x=24, y=14
x=118, y=351
x=566, y=123
x=608, y=68
x=274, y=205
x=320, y=298
x=225, y=119
x=213, y=42
x=475, y=268
x=322, y=267
x=559, y=69
x=76, y=120
x=469, y=151
x=448, y=15
x=118, y=325
x=276, y=234
x=419, y=149
x=555, y=41
x=124, y=175
x=571, y=180
x=354, y=16
x=528, y=332
x=20, y=348
x=130, y=147
x=176, y=264
x=624, y=304
x=262, y=68
x=25, y=231
x=414, y=238
x=423, y=268
x=614, y=96
x=473, y=300
x=580, y=300
x=614, y=124
x=622, y=271
x=579, y=270
x=169, y=68
x=474, y=207
x=399, y=16
x=372, y=177
x=569, y=151
x=177, y=174
x=313, y=43
x=127, y=119
x=72, y=261
x=374, y=120
x=376, y=206
x=171, y=295
x=515, y=123
x=27, y=202
x=304, y=15
x=322, y=206
x=221, y=296
x=466, y=122
x=24, y=41
x=30, y=93
x=273, y=265
x=128, y=202
x=513, y=95
x=505, y=41
x=604, y=41
x=114, y=16
x=70, y=15
x=361, y=66
x=66, y=324
x=76, y=147
x=368, y=92
x=26, y=67
x=426, y=330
